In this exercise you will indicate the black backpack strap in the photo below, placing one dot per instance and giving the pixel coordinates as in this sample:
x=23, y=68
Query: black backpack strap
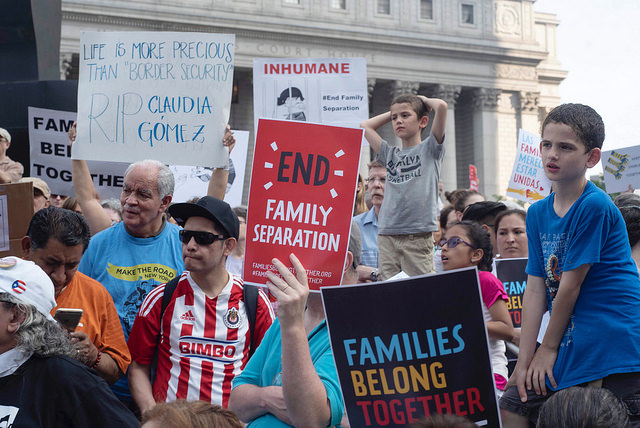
x=169, y=289
x=250, y=295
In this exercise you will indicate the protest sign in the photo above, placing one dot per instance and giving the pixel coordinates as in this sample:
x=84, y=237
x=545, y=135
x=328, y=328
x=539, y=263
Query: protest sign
x=51, y=155
x=332, y=91
x=411, y=348
x=194, y=181
x=303, y=186
x=514, y=278
x=145, y=95
x=528, y=181
x=621, y=169
x=473, y=178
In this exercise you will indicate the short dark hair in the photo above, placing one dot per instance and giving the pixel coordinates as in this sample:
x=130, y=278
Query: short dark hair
x=66, y=226
x=631, y=216
x=444, y=213
x=416, y=104
x=481, y=240
x=196, y=414
x=583, y=407
x=484, y=212
x=585, y=122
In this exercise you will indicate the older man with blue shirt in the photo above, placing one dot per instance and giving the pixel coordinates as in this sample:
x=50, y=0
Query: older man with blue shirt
x=368, y=223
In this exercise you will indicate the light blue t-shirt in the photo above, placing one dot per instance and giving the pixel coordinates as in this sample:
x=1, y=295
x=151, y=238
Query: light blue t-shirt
x=368, y=224
x=265, y=369
x=129, y=268
x=603, y=335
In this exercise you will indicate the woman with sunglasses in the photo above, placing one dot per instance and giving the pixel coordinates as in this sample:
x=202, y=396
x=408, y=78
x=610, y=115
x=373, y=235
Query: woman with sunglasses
x=467, y=244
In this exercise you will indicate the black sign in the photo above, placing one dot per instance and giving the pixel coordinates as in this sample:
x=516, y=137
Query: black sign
x=406, y=349
x=512, y=274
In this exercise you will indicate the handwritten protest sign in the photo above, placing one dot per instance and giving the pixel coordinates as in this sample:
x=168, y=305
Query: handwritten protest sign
x=512, y=274
x=303, y=186
x=528, y=181
x=332, y=91
x=164, y=96
x=411, y=348
x=194, y=181
x=621, y=169
x=51, y=155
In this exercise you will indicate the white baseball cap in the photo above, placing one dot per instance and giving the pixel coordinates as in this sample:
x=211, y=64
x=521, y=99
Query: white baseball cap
x=25, y=281
x=4, y=133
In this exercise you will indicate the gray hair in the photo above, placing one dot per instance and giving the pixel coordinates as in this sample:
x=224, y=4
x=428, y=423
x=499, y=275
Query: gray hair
x=112, y=204
x=37, y=334
x=166, y=181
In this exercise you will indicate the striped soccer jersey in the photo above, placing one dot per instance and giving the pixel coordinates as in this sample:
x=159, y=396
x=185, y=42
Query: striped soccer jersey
x=204, y=344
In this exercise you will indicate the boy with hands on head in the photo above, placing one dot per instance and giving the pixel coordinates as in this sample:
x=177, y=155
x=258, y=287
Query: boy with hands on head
x=409, y=213
x=580, y=268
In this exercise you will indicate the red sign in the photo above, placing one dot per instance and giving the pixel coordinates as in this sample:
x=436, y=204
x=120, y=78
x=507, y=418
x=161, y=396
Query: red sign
x=303, y=186
x=473, y=177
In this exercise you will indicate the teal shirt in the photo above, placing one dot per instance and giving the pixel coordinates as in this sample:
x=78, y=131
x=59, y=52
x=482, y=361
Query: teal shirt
x=265, y=369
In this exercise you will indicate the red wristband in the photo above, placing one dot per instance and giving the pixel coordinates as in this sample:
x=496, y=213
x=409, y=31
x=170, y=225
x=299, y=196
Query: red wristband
x=97, y=360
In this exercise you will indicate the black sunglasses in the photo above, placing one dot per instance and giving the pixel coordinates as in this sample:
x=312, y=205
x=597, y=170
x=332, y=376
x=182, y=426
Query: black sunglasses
x=202, y=238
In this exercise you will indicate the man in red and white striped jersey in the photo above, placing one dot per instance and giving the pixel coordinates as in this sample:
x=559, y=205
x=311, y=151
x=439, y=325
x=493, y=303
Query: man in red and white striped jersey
x=204, y=331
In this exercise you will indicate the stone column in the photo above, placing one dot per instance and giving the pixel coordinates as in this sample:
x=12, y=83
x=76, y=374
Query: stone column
x=529, y=120
x=485, y=139
x=449, y=94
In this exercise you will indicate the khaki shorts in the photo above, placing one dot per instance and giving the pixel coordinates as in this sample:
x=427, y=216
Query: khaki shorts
x=412, y=254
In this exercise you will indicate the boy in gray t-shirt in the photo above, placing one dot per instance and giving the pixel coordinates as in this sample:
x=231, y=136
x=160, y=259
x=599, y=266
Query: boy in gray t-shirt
x=408, y=215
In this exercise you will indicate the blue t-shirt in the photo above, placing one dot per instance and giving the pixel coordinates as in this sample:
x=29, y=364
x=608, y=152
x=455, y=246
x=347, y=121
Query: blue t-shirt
x=603, y=335
x=129, y=268
x=265, y=369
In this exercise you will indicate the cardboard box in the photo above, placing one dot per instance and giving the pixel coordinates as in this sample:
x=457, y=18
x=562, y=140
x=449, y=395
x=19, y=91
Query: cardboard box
x=16, y=210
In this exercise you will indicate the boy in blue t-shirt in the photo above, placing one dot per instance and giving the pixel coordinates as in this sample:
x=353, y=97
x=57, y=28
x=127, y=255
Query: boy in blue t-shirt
x=409, y=213
x=580, y=269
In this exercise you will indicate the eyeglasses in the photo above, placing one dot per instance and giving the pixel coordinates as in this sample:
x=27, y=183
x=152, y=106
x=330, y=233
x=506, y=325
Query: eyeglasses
x=202, y=238
x=453, y=242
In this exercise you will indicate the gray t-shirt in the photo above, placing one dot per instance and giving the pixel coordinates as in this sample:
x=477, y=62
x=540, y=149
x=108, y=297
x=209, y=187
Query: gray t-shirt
x=411, y=192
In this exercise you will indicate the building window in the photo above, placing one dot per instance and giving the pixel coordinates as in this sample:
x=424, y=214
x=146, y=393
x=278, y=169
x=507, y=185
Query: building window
x=383, y=7
x=466, y=16
x=339, y=4
x=426, y=9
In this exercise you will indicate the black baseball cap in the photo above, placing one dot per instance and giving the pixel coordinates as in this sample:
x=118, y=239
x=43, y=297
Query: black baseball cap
x=209, y=207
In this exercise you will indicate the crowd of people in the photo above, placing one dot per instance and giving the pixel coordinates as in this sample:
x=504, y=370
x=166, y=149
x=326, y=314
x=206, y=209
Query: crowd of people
x=169, y=335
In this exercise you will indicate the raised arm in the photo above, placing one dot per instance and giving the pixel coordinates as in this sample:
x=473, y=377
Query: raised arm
x=220, y=176
x=92, y=211
x=304, y=393
x=371, y=127
x=439, y=124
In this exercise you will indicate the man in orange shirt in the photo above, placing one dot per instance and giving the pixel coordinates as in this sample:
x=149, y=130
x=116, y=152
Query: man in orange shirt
x=55, y=241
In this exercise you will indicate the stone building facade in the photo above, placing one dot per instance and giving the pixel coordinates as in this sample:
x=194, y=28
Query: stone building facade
x=493, y=61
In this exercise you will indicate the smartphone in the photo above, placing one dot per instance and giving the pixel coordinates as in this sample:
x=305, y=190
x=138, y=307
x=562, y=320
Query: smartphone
x=68, y=318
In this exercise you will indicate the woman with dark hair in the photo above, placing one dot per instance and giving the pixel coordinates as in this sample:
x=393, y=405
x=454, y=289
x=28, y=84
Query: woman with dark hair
x=511, y=234
x=631, y=216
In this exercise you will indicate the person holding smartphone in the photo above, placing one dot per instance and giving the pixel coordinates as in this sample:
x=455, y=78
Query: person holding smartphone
x=55, y=241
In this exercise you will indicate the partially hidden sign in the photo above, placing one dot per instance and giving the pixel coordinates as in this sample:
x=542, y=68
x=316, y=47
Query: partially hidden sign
x=621, y=169
x=514, y=278
x=528, y=181
x=412, y=348
x=303, y=185
x=154, y=95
